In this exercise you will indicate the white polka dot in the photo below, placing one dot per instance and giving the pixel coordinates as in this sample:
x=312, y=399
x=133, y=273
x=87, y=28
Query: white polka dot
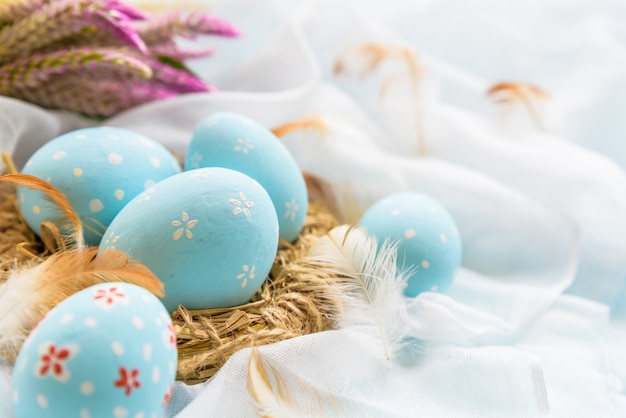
x=59, y=155
x=433, y=209
x=395, y=212
x=425, y=264
x=36, y=209
x=22, y=197
x=146, y=298
x=156, y=163
x=443, y=238
x=140, y=414
x=91, y=322
x=409, y=233
x=95, y=205
x=138, y=322
x=158, y=322
x=16, y=396
x=84, y=413
x=119, y=194
x=156, y=375
x=149, y=183
x=87, y=388
x=42, y=401
x=114, y=137
x=80, y=136
x=170, y=368
x=154, y=415
x=147, y=352
x=434, y=288
x=115, y=159
x=120, y=412
x=77, y=172
x=67, y=319
x=117, y=348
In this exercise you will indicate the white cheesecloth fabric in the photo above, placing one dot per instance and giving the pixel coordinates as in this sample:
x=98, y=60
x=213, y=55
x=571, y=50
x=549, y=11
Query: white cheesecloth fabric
x=535, y=321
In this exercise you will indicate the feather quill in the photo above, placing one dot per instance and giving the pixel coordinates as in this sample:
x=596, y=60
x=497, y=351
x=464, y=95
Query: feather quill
x=369, y=281
x=29, y=293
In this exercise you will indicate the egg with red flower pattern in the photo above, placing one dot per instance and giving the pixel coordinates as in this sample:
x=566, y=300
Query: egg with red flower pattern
x=106, y=351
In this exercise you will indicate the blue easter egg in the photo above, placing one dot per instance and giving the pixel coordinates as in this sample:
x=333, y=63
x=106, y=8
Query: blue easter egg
x=209, y=234
x=99, y=170
x=106, y=351
x=429, y=242
x=233, y=141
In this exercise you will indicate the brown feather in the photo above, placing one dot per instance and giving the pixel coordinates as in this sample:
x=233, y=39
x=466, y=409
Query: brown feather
x=316, y=124
x=55, y=197
x=29, y=294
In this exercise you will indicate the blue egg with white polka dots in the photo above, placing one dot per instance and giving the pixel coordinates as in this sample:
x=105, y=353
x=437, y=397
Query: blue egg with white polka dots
x=209, y=234
x=106, y=351
x=234, y=141
x=429, y=244
x=99, y=170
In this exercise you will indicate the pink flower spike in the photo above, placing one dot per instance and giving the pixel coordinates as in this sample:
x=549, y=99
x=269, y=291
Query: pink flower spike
x=121, y=30
x=128, y=11
x=214, y=26
x=180, y=55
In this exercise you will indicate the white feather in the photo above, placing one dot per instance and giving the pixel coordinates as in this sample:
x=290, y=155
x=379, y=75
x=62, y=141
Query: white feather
x=370, y=283
x=19, y=311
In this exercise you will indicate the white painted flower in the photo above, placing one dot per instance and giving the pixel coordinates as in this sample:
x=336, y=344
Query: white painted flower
x=196, y=158
x=204, y=174
x=186, y=225
x=291, y=209
x=111, y=240
x=247, y=274
x=243, y=146
x=243, y=205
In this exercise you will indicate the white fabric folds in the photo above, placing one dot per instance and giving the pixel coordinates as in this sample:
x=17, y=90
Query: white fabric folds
x=535, y=321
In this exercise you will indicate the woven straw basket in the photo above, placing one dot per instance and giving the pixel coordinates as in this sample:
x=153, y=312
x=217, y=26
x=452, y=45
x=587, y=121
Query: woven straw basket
x=294, y=300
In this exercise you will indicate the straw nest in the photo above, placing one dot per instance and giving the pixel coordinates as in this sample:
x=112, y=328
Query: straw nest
x=294, y=300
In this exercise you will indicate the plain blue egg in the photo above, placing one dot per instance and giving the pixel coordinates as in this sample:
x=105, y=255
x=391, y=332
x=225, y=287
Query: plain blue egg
x=106, y=351
x=429, y=244
x=234, y=141
x=210, y=235
x=99, y=170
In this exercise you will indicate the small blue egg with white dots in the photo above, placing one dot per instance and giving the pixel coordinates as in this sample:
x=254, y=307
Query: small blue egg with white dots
x=236, y=142
x=99, y=170
x=429, y=245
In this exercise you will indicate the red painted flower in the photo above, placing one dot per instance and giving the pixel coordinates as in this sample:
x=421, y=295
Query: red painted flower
x=168, y=396
x=52, y=361
x=128, y=380
x=108, y=297
x=172, y=332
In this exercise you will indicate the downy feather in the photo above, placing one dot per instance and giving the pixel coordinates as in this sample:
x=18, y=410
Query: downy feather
x=29, y=293
x=370, y=284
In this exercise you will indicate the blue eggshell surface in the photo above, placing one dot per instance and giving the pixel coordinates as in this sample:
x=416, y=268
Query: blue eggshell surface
x=106, y=351
x=209, y=234
x=99, y=170
x=234, y=141
x=429, y=241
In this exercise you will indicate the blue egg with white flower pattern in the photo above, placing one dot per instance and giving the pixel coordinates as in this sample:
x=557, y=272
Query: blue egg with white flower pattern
x=233, y=141
x=209, y=234
x=429, y=244
x=106, y=351
x=99, y=170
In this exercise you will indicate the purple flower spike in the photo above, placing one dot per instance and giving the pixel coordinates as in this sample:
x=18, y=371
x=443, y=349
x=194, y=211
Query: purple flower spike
x=121, y=30
x=163, y=28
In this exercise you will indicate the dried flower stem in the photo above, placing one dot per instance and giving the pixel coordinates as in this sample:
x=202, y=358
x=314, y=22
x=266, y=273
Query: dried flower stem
x=511, y=91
